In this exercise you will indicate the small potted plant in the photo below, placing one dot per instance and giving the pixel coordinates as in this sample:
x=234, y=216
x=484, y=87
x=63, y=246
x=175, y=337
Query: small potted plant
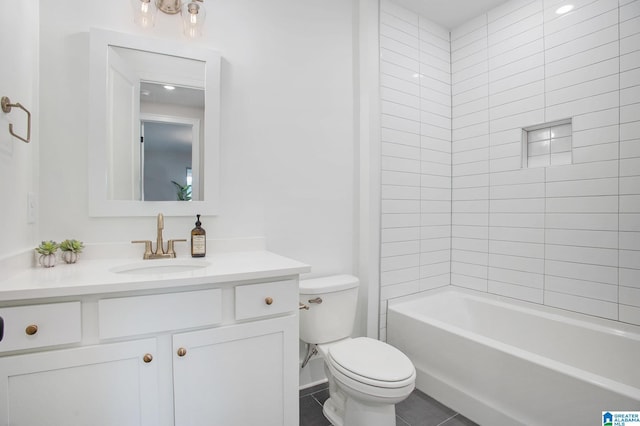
x=70, y=250
x=47, y=251
x=183, y=191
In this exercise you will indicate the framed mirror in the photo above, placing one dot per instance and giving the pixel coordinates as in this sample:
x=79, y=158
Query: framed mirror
x=154, y=127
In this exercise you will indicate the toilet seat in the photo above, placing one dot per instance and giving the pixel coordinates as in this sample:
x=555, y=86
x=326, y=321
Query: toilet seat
x=372, y=362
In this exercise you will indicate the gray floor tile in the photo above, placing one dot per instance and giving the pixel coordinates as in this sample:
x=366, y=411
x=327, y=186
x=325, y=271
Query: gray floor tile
x=420, y=409
x=459, y=420
x=400, y=422
x=321, y=396
x=311, y=412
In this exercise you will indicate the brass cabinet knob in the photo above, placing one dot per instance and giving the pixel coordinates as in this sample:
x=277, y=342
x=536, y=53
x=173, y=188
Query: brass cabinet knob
x=147, y=358
x=268, y=300
x=182, y=351
x=31, y=329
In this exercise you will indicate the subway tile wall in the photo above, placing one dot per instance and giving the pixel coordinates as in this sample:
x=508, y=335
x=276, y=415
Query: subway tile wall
x=415, y=92
x=552, y=235
x=566, y=236
x=629, y=177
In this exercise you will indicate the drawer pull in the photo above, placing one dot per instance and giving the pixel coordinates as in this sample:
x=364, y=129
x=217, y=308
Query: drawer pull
x=302, y=306
x=182, y=351
x=317, y=300
x=268, y=300
x=31, y=329
x=147, y=358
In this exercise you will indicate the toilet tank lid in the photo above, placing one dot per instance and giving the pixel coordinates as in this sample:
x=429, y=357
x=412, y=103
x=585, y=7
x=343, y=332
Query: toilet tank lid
x=328, y=284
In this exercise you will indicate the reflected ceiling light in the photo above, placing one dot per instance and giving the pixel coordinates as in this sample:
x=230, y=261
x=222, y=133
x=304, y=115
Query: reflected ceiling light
x=564, y=9
x=192, y=11
x=168, y=87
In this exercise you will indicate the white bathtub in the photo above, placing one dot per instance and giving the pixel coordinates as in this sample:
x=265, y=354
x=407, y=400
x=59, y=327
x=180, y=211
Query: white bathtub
x=503, y=362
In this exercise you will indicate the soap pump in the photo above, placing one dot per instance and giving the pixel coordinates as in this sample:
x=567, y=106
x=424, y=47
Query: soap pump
x=198, y=240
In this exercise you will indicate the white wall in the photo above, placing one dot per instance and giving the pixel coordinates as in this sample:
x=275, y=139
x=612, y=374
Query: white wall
x=18, y=81
x=564, y=236
x=287, y=125
x=415, y=87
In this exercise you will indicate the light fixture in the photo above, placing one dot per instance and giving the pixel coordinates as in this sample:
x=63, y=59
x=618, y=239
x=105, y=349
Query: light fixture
x=193, y=16
x=144, y=13
x=192, y=11
x=564, y=9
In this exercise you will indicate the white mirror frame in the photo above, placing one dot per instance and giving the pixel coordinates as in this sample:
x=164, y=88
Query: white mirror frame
x=99, y=204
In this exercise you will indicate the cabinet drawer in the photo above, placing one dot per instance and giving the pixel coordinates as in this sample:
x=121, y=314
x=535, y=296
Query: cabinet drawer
x=257, y=300
x=36, y=326
x=128, y=316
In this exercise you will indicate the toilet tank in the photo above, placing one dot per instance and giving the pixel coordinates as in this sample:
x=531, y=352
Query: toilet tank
x=333, y=318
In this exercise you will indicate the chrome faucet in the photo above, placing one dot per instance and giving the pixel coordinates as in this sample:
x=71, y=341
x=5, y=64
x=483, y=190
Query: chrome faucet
x=159, y=252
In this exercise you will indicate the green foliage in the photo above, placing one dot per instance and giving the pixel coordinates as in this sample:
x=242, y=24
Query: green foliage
x=47, y=247
x=74, y=246
x=184, y=191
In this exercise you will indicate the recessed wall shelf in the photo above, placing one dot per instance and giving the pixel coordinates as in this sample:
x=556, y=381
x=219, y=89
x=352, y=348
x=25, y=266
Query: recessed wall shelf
x=547, y=144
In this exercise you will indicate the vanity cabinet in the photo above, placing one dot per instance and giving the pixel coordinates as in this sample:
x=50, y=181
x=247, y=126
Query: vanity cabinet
x=220, y=354
x=95, y=385
x=243, y=374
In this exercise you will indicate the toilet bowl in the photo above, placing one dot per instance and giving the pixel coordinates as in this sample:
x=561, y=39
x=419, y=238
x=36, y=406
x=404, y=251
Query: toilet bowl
x=369, y=377
x=366, y=377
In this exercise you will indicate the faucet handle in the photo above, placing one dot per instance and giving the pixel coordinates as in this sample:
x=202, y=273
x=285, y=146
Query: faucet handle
x=147, y=247
x=170, y=249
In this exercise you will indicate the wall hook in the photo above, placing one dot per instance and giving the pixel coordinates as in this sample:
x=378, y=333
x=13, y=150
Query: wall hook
x=6, y=104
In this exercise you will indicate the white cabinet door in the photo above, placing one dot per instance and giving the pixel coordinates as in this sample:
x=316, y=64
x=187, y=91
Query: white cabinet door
x=238, y=375
x=92, y=385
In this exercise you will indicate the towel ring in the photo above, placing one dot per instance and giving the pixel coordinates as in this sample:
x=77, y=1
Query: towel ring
x=6, y=104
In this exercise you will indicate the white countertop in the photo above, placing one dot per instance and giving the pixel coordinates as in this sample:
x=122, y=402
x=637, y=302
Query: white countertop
x=98, y=276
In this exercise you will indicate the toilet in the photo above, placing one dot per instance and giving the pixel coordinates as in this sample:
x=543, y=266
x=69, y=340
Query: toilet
x=367, y=377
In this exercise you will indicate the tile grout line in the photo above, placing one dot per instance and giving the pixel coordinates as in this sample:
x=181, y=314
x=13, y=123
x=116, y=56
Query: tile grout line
x=619, y=152
x=316, y=399
x=445, y=421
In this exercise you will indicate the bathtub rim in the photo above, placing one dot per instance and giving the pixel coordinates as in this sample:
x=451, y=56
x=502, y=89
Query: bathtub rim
x=619, y=328
x=595, y=323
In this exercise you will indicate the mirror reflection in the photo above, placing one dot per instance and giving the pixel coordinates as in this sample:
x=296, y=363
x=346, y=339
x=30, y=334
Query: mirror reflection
x=156, y=108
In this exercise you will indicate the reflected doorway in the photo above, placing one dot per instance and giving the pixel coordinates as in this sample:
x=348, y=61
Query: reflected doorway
x=169, y=158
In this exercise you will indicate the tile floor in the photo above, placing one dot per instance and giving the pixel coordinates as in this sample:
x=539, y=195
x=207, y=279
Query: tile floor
x=417, y=410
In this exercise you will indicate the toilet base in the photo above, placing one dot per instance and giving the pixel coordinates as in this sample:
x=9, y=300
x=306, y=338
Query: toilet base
x=330, y=411
x=356, y=413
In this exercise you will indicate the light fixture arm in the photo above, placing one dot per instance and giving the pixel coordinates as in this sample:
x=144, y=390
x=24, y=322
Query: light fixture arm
x=170, y=7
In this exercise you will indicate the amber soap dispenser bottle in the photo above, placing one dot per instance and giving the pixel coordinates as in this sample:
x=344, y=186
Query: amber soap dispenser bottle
x=198, y=240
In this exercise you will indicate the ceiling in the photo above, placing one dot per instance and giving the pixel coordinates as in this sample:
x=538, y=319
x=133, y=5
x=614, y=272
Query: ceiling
x=449, y=13
x=183, y=96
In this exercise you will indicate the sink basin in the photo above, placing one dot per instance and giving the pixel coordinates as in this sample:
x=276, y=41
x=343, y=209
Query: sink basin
x=161, y=266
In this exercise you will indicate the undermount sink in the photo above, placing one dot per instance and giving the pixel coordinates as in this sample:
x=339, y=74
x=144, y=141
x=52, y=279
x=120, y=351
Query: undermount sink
x=161, y=266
